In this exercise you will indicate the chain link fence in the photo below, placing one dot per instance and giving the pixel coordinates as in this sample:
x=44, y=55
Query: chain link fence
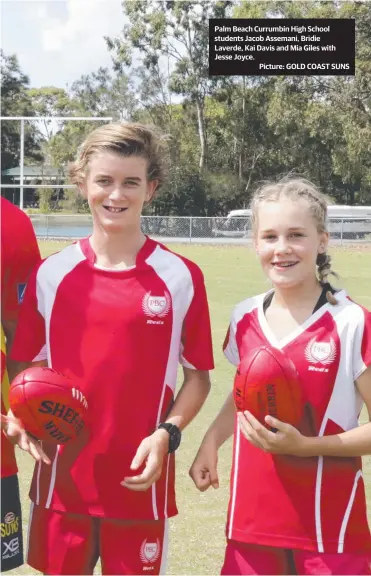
x=216, y=230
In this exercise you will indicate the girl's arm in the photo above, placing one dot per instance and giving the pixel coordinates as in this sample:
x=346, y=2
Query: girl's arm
x=204, y=468
x=223, y=426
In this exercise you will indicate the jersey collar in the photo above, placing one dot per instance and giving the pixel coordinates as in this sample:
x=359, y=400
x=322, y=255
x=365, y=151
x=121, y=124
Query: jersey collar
x=145, y=251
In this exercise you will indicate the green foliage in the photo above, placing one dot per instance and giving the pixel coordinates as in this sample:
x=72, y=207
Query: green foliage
x=101, y=94
x=45, y=197
x=15, y=101
x=177, y=30
x=225, y=134
x=74, y=202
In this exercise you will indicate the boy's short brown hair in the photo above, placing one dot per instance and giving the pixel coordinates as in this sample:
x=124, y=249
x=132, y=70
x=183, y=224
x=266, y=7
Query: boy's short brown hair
x=127, y=139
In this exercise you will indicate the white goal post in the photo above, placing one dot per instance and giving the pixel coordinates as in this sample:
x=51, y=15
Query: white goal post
x=22, y=120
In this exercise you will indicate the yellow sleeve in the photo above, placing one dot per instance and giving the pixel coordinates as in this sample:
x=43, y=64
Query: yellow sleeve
x=4, y=372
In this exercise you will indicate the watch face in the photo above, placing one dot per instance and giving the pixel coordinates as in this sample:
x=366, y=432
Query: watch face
x=174, y=440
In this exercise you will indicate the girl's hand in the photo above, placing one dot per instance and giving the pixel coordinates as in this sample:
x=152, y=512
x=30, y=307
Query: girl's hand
x=204, y=468
x=287, y=440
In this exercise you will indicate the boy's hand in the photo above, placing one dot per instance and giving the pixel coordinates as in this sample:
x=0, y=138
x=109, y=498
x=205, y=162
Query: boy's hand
x=152, y=451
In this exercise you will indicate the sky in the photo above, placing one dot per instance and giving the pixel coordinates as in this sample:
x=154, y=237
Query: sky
x=56, y=42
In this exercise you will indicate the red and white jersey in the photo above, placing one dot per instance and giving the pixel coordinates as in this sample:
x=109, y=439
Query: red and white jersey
x=120, y=336
x=306, y=503
x=19, y=255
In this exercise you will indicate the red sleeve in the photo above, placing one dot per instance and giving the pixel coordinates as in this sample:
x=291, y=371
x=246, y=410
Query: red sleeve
x=20, y=254
x=197, y=348
x=29, y=344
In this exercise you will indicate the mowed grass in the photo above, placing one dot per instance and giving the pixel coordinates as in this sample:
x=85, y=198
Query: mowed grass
x=232, y=273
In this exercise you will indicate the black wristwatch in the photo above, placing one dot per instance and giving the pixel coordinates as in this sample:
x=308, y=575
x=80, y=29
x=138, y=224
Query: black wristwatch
x=175, y=435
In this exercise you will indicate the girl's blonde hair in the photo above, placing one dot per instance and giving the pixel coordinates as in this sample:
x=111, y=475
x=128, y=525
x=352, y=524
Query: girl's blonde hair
x=127, y=139
x=292, y=188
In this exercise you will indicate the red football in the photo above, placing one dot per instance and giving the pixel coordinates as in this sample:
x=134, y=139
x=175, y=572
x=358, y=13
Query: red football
x=267, y=383
x=48, y=405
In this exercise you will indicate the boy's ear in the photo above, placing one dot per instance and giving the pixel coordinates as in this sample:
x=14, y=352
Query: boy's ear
x=151, y=189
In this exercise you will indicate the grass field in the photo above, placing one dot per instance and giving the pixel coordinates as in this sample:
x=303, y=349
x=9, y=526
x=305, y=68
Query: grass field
x=232, y=274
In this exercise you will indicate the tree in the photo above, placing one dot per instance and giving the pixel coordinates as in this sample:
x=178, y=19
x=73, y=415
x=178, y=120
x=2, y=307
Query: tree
x=52, y=101
x=324, y=123
x=100, y=94
x=16, y=102
x=178, y=30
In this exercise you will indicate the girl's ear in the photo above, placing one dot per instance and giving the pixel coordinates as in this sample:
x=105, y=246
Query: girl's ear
x=323, y=243
x=83, y=190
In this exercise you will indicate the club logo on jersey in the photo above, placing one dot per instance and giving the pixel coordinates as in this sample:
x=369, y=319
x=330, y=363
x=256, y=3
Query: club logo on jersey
x=149, y=551
x=20, y=292
x=320, y=353
x=156, y=306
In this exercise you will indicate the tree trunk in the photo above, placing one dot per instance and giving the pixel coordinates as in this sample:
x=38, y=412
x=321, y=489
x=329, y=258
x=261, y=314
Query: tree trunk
x=202, y=133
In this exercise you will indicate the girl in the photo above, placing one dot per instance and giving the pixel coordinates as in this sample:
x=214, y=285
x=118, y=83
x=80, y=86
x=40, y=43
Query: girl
x=116, y=312
x=297, y=497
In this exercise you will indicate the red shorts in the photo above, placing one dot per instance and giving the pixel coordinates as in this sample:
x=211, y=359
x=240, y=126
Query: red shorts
x=63, y=543
x=250, y=559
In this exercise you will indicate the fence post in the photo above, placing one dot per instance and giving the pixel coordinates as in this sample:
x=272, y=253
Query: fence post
x=190, y=228
x=47, y=225
x=21, y=173
x=341, y=232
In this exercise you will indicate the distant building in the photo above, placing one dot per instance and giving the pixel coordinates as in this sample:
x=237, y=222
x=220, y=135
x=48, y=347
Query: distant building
x=32, y=175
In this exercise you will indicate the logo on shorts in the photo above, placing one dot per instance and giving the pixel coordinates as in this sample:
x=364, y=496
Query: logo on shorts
x=156, y=306
x=149, y=551
x=320, y=353
x=10, y=548
x=20, y=292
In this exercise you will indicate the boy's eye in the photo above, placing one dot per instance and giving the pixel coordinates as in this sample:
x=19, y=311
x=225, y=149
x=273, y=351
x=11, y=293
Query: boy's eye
x=103, y=181
x=297, y=234
x=132, y=183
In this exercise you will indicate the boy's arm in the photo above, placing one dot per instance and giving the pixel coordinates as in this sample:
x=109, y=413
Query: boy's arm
x=196, y=357
x=154, y=448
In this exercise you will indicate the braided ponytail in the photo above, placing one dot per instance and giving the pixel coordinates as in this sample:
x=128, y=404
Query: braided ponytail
x=324, y=270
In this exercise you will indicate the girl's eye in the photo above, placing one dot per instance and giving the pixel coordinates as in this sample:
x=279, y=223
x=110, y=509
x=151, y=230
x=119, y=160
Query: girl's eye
x=269, y=237
x=103, y=181
x=297, y=235
x=131, y=183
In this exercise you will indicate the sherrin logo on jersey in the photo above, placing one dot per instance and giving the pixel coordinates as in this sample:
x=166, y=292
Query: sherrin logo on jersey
x=149, y=551
x=320, y=353
x=156, y=306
